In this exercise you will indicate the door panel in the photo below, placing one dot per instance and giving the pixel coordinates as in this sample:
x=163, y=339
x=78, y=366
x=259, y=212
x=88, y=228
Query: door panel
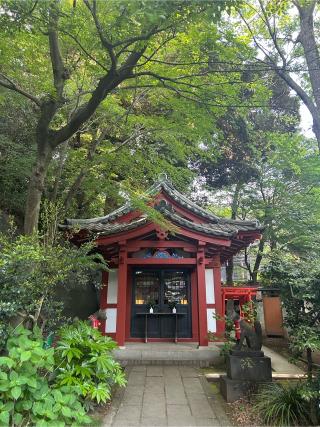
x=176, y=289
x=163, y=287
x=146, y=287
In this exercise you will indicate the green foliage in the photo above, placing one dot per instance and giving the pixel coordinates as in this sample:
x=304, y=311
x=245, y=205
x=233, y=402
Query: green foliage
x=83, y=359
x=26, y=395
x=282, y=405
x=299, y=282
x=229, y=336
x=304, y=337
x=158, y=119
x=249, y=311
x=32, y=273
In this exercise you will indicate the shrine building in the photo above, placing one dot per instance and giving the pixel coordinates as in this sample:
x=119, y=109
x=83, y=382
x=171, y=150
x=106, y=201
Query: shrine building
x=175, y=269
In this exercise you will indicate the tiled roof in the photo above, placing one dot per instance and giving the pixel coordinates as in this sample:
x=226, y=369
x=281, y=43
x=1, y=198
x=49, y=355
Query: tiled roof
x=212, y=225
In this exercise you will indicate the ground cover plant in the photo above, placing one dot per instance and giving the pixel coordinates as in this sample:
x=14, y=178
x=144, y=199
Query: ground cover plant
x=83, y=359
x=27, y=396
x=282, y=404
x=56, y=386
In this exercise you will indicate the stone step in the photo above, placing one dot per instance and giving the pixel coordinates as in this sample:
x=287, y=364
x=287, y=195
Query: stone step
x=194, y=363
x=167, y=354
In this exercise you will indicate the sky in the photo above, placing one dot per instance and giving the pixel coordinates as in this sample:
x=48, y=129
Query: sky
x=306, y=121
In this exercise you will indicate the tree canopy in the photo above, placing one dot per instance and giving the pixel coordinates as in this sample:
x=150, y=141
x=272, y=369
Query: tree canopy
x=97, y=99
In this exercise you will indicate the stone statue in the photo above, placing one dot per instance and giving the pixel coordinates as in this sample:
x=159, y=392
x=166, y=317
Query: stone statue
x=247, y=366
x=252, y=335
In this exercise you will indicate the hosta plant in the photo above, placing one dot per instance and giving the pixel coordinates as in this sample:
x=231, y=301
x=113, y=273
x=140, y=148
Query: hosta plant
x=26, y=395
x=84, y=359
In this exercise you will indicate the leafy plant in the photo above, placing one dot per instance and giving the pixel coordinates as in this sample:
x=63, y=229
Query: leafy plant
x=84, y=359
x=31, y=273
x=229, y=340
x=298, y=279
x=26, y=395
x=282, y=405
x=249, y=311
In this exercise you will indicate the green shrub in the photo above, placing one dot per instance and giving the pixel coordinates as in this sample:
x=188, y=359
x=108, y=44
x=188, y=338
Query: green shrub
x=84, y=359
x=26, y=396
x=32, y=274
x=282, y=405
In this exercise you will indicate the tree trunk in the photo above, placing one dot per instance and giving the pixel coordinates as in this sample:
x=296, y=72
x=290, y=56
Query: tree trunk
x=257, y=263
x=234, y=212
x=62, y=158
x=310, y=48
x=311, y=53
x=309, y=363
x=74, y=189
x=229, y=272
x=35, y=189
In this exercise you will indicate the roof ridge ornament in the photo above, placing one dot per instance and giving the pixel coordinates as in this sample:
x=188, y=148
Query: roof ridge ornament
x=164, y=179
x=162, y=176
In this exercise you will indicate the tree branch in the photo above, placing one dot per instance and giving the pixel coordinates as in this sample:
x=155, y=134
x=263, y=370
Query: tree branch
x=9, y=84
x=141, y=37
x=272, y=34
x=60, y=73
x=84, y=50
x=104, y=41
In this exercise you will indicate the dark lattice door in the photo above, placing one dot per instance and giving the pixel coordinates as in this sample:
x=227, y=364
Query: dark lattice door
x=164, y=288
x=176, y=290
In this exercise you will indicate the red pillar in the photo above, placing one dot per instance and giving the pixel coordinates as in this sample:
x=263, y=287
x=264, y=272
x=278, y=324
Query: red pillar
x=202, y=303
x=122, y=295
x=218, y=293
x=103, y=299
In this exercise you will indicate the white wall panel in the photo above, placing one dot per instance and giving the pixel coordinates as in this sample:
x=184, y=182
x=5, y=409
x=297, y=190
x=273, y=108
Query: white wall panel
x=111, y=321
x=211, y=321
x=210, y=286
x=112, y=286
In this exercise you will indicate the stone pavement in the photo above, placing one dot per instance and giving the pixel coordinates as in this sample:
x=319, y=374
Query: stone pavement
x=280, y=364
x=166, y=396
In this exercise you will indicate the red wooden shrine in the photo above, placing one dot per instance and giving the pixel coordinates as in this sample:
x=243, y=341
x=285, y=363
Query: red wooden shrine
x=179, y=263
x=243, y=294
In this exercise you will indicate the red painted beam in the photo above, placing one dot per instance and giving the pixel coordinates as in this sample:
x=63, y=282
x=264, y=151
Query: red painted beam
x=160, y=261
x=132, y=234
x=125, y=235
x=139, y=244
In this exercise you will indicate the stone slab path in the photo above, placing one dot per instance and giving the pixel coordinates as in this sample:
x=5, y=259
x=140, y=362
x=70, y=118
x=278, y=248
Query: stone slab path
x=280, y=364
x=166, y=396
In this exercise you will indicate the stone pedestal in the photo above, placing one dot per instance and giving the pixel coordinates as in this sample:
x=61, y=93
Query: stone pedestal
x=245, y=370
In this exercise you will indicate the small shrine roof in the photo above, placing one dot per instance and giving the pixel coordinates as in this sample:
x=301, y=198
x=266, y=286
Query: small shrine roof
x=212, y=225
